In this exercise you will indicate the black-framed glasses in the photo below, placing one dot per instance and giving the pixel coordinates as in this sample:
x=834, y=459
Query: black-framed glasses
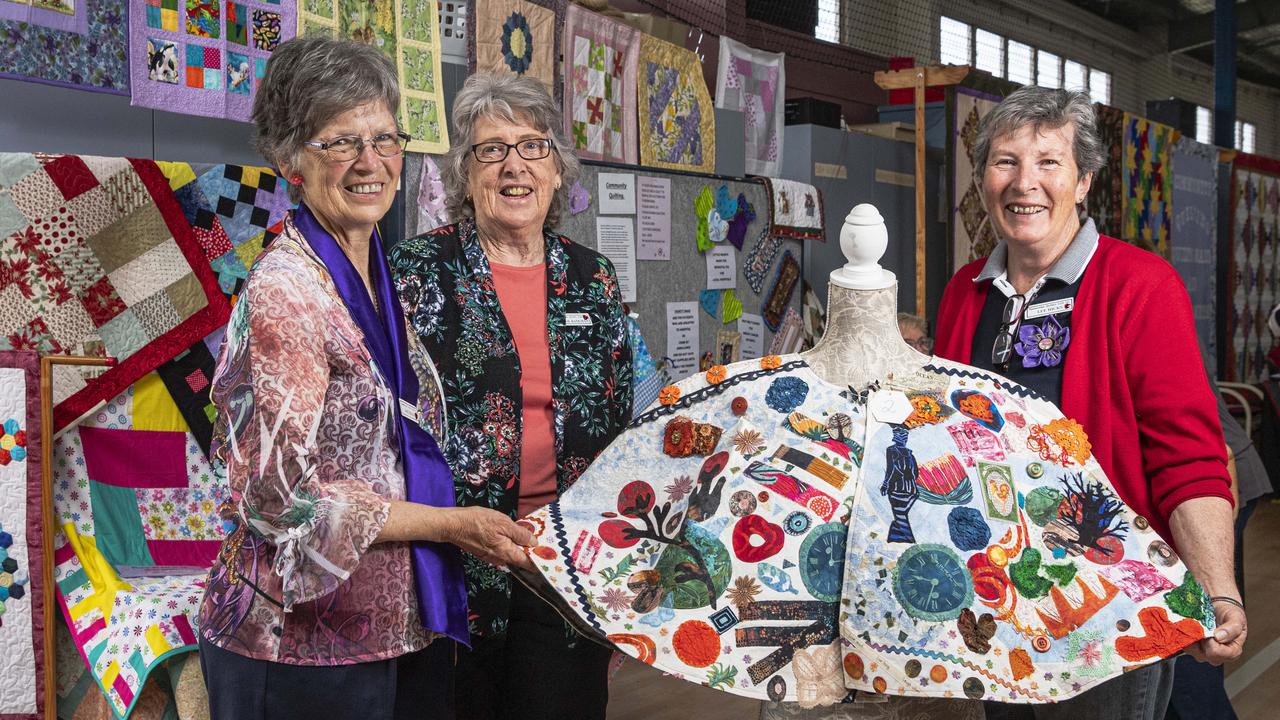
x=346, y=148
x=1002, y=349
x=496, y=151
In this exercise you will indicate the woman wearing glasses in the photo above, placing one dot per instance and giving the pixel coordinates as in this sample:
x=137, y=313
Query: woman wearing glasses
x=1105, y=330
x=320, y=604
x=528, y=332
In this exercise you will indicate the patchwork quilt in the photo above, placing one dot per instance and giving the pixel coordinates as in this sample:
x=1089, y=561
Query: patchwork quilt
x=204, y=57
x=795, y=209
x=972, y=235
x=754, y=82
x=21, y=582
x=406, y=31
x=98, y=258
x=1104, y=202
x=946, y=534
x=1253, y=271
x=1148, y=183
x=518, y=37
x=600, y=91
x=677, y=117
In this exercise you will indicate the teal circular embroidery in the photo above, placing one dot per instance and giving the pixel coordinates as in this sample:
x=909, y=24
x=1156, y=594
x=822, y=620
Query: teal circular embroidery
x=822, y=561
x=932, y=583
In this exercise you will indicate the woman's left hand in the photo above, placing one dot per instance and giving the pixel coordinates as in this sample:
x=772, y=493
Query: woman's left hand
x=1227, y=641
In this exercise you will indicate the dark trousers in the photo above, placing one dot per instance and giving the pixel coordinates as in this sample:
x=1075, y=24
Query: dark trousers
x=528, y=673
x=1136, y=695
x=417, y=686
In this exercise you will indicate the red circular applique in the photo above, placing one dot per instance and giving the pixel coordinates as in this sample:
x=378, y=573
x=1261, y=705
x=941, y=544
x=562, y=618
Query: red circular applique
x=753, y=526
x=696, y=643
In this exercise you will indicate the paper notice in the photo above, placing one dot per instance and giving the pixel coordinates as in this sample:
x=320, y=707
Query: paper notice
x=615, y=239
x=617, y=193
x=722, y=268
x=752, y=329
x=654, y=236
x=682, y=338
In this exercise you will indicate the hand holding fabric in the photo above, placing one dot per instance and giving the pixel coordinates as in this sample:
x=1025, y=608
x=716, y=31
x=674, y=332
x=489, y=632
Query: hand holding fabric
x=1228, y=638
x=489, y=535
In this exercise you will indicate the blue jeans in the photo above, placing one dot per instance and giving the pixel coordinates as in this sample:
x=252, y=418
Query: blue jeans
x=1136, y=695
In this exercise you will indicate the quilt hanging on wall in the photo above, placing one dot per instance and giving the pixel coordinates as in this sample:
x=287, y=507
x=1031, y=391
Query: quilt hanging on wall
x=972, y=236
x=944, y=534
x=1148, y=184
x=1253, y=274
x=79, y=44
x=754, y=83
x=204, y=57
x=135, y=540
x=677, y=118
x=1193, y=235
x=406, y=31
x=600, y=90
x=1104, y=203
x=517, y=37
x=98, y=258
x=21, y=580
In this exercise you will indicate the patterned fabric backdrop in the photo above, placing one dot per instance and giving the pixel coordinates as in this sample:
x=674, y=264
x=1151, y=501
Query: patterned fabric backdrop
x=521, y=37
x=1104, y=202
x=204, y=57
x=410, y=39
x=754, y=82
x=972, y=236
x=72, y=43
x=677, y=118
x=1193, y=235
x=97, y=257
x=1253, y=276
x=1148, y=186
x=22, y=651
x=600, y=92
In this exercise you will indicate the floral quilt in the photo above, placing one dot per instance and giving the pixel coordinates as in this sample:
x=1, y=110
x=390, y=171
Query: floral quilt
x=80, y=44
x=518, y=37
x=677, y=117
x=946, y=534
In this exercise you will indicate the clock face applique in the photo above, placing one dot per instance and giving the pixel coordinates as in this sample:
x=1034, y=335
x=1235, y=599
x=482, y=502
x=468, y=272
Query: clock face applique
x=822, y=561
x=932, y=583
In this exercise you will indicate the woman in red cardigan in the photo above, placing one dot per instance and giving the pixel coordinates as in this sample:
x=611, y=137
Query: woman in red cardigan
x=1105, y=330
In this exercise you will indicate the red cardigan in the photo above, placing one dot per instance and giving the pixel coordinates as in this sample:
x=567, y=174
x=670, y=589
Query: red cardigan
x=1133, y=377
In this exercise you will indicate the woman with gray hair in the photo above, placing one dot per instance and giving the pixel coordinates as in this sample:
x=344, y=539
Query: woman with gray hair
x=1104, y=330
x=529, y=335
x=338, y=590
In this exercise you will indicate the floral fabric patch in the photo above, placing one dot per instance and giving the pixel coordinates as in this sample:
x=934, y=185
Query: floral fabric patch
x=45, y=42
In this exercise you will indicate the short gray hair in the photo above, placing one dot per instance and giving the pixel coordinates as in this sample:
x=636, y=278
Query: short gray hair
x=512, y=98
x=311, y=80
x=907, y=320
x=1048, y=108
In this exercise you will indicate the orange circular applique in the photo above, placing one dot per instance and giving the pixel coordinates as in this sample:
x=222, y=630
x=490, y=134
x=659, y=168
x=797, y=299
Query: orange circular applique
x=669, y=395
x=937, y=673
x=696, y=643
x=544, y=552
x=770, y=362
x=853, y=666
x=716, y=374
x=879, y=685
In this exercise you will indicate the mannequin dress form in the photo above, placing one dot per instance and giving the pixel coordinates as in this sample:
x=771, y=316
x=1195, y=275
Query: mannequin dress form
x=861, y=345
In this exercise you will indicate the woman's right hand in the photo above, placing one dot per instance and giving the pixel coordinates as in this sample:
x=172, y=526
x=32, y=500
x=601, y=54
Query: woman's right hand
x=489, y=535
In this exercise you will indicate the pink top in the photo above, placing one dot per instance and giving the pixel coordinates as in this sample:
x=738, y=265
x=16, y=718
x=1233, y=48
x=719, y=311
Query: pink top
x=522, y=292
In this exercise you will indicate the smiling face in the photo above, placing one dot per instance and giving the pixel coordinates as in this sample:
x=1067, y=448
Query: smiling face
x=511, y=198
x=1031, y=186
x=349, y=197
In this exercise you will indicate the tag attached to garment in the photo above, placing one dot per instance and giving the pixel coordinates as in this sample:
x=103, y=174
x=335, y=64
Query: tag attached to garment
x=1051, y=307
x=890, y=407
x=577, y=320
x=410, y=411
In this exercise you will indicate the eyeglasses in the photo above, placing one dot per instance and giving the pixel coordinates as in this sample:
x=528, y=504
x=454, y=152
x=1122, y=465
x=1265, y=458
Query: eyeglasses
x=492, y=152
x=1002, y=349
x=346, y=148
x=923, y=344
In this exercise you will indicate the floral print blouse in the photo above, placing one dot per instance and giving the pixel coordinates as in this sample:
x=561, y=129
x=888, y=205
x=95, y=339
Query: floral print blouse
x=446, y=287
x=306, y=428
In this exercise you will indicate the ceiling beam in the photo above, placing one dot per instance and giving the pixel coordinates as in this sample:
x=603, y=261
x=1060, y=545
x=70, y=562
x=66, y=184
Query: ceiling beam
x=1197, y=31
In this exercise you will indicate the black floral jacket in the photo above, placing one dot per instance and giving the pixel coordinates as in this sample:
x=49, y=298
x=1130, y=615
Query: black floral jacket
x=447, y=289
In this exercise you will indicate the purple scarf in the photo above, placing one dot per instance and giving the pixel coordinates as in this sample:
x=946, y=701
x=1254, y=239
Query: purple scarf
x=442, y=594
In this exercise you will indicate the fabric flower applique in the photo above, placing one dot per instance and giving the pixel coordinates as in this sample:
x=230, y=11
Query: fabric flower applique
x=517, y=43
x=1043, y=345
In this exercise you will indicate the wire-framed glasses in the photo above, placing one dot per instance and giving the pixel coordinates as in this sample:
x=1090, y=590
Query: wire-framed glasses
x=496, y=151
x=346, y=148
x=1003, y=346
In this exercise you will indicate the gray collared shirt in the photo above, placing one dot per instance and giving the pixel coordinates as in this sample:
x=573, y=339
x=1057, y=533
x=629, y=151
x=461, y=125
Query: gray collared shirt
x=1069, y=267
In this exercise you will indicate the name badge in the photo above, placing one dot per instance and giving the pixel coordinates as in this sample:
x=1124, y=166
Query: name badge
x=410, y=411
x=1052, y=307
x=577, y=319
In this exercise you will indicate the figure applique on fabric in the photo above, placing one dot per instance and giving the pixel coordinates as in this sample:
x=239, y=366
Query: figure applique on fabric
x=942, y=534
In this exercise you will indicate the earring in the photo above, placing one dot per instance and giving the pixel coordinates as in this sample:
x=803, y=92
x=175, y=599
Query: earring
x=295, y=180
